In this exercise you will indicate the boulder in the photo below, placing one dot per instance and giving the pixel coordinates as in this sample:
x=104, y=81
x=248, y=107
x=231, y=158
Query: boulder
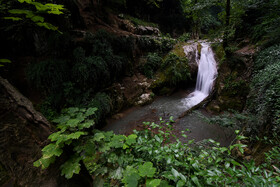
x=147, y=30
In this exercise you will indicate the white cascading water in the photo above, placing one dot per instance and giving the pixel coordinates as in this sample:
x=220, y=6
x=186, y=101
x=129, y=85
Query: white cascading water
x=207, y=71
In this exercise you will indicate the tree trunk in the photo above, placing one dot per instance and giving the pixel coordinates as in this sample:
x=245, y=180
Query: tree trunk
x=225, y=39
x=23, y=133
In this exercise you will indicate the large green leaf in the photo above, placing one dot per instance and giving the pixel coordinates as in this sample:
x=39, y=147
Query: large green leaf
x=44, y=162
x=52, y=150
x=6, y=60
x=131, y=177
x=71, y=167
x=90, y=111
x=73, y=122
x=147, y=169
x=21, y=11
x=37, y=19
x=153, y=183
x=62, y=119
x=117, y=174
x=98, y=136
x=117, y=141
x=86, y=125
x=131, y=139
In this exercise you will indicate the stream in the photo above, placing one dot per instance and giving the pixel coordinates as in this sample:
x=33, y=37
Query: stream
x=178, y=103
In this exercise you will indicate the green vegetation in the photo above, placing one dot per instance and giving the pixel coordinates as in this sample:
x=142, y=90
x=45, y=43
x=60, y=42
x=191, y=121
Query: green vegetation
x=75, y=81
x=78, y=67
x=72, y=125
x=173, y=71
x=151, y=66
x=184, y=37
x=175, y=68
x=138, y=22
x=4, y=61
x=29, y=15
x=154, y=156
x=264, y=99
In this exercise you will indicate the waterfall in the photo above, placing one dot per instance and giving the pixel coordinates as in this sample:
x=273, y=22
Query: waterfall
x=207, y=71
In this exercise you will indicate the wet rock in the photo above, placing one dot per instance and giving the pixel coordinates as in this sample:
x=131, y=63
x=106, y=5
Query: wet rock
x=214, y=108
x=145, y=99
x=130, y=91
x=192, y=53
x=127, y=26
x=118, y=116
x=147, y=30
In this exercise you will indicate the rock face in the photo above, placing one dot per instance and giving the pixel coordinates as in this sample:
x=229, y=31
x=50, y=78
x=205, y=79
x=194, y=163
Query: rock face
x=131, y=91
x=193, y=54
x=145, y=99
x=232, y=85
x=23, y=133
x=147, y=30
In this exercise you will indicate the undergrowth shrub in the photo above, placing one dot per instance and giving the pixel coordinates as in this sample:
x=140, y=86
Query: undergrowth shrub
x=151, y=66
x=184, y=37
x=153, y=156
x=103, y=102
x=157, y=44
x=90, y=71
x=264, y=99
x=48, y=75
x=175, y=69
x=101, y=60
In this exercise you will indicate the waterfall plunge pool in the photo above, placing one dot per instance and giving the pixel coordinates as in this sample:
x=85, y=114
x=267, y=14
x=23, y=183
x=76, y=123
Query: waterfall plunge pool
x=178, y=103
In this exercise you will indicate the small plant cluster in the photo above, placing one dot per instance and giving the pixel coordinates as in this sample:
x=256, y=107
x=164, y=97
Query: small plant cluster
x=234, y=86
x=152, y=65
x=72, y=127
x=35, y=14
x=138, y=22
x=184, y=37
x=153, y=156
x=156, y=44
x=264, y=99
x=175, y=68
x=77, y=81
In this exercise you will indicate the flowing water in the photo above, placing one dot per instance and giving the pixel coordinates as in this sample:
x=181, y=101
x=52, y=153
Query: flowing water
x=207, y=71
x=179, y=102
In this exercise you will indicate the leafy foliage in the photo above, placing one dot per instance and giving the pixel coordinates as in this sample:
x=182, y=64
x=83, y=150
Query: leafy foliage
x=203, y=15
x=152, y=64
x=184, y=37
x=265, y=88
x=156, y=157
x=77, y=80
x=36, y=16
x=4, y=61
x=72, y=125
x=175, y=68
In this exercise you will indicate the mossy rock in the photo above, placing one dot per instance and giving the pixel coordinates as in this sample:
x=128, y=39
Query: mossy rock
x=166, y=91
x=219, y=51
x=179, y=50
x=160, y=82
x=236, y=103
x=199, y=47
x=213, y=107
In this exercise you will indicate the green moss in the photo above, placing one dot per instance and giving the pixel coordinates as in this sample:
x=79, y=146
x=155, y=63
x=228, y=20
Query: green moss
x=219, y=51
x=227, y=102
x=179, y=50
x=199, y=47
x=234, y=86
x=174, y=70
